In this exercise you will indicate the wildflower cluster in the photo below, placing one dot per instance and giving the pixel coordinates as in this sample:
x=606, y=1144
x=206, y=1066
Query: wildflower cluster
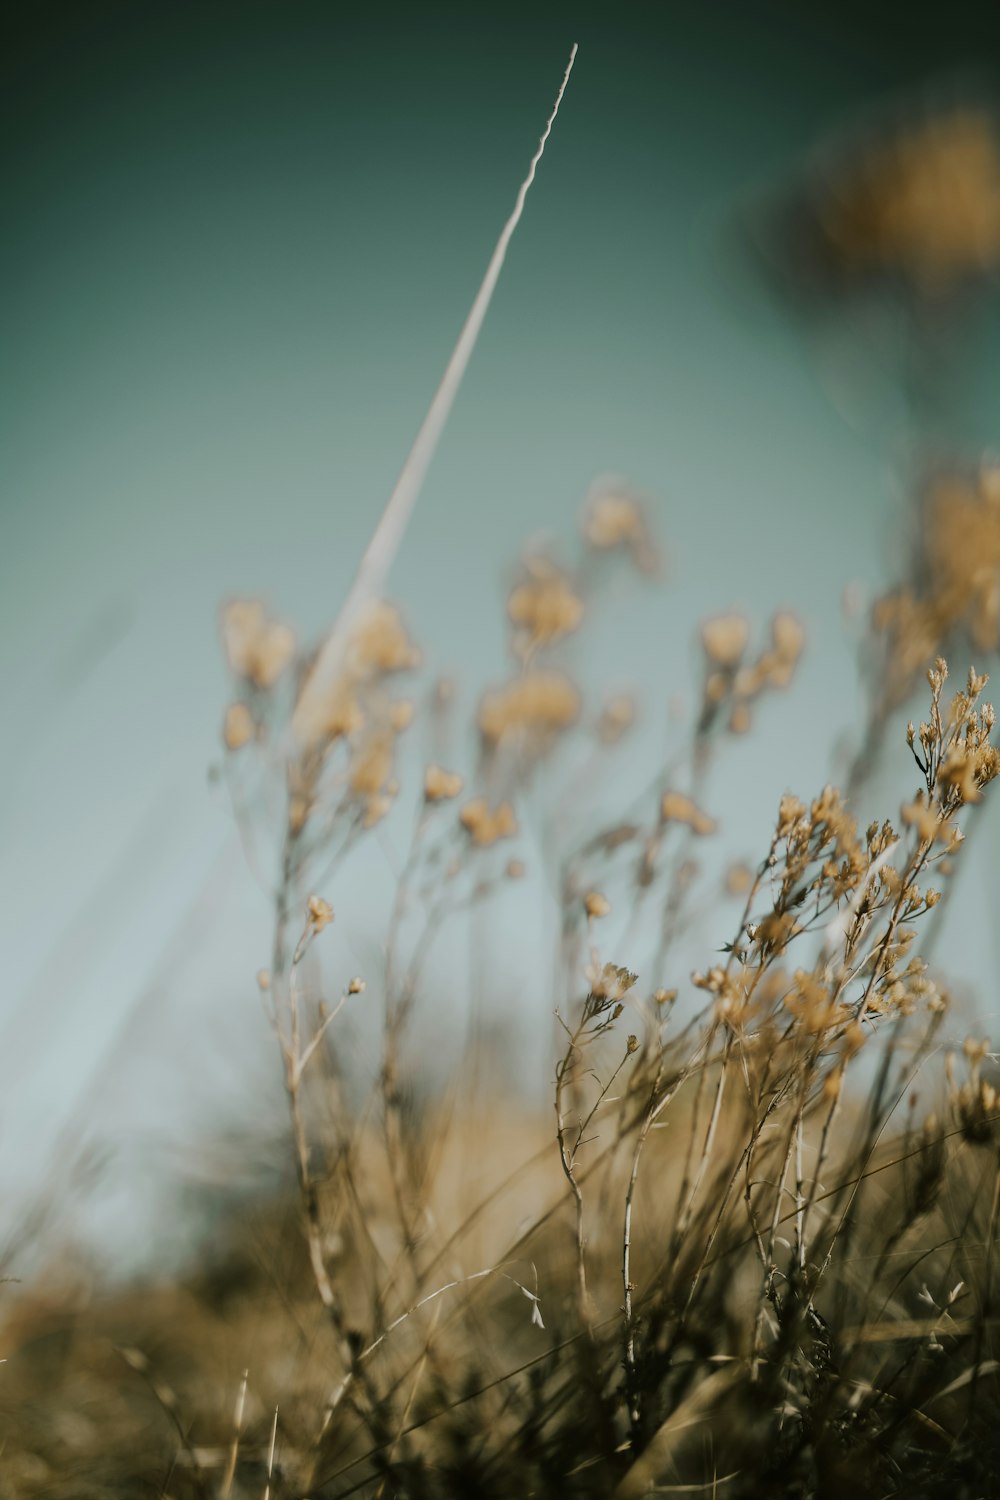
x=615, y=519
x=543, y=608
x=824, y=956
x=258, y=649
x=731, y=683
x=485, y=824
x=860, y=896
x=955, y=586
x=529, y=712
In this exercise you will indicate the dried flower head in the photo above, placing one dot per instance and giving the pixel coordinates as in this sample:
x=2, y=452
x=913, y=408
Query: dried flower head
x=731, y=682
x=535, y=706
x=791, y=815
x=440, y=785
x=788, y=636
x=725, y=638
x=955, y=583
x=677, y=808
x=485, y=825
x=238, y=727
x=543, y=607
x=976, y=1049
x=371, y=765
x=609, y=984
x=380, y=644
x=320, y=913
x=925, y=818
x=813, y=1003
x=342, y=715
x=596, y=905
x=257, y=648
x=614, y=518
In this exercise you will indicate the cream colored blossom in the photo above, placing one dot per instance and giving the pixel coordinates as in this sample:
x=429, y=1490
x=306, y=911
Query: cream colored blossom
x=596, y=905
x=257, y=648
x=724, y=639
x=238, y=727
x=675, y=807
x=380, y=643
x=485, y=825
x=613, y=518
x=320, y=913
x=788, y=636
x=544, y=607
x=371, y=765
x=440, y=785
x=537, y=705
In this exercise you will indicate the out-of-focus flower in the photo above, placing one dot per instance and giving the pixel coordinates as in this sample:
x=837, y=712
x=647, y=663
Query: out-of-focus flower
x=596, y=905
x=954, y=587
x=371, y=765
x=380, y=643
x=485, y=825
x=788, y=635
x=441, y=785
x=676, y=808
x=739, y=879
x=724, y=639
x=613, y=518
x=257, y=648
x=238, y=727
x=543, y=607
x=536, y=705
x=320, y=913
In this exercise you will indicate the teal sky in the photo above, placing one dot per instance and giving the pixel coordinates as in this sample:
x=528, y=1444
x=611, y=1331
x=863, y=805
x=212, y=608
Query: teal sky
x=239, y=243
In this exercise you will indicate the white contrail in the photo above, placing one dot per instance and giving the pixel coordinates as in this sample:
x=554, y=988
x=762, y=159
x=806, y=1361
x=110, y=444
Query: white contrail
x=373, y=570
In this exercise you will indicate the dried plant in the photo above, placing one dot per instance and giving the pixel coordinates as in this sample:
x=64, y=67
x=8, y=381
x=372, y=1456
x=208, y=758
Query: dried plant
x=752, y=1255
